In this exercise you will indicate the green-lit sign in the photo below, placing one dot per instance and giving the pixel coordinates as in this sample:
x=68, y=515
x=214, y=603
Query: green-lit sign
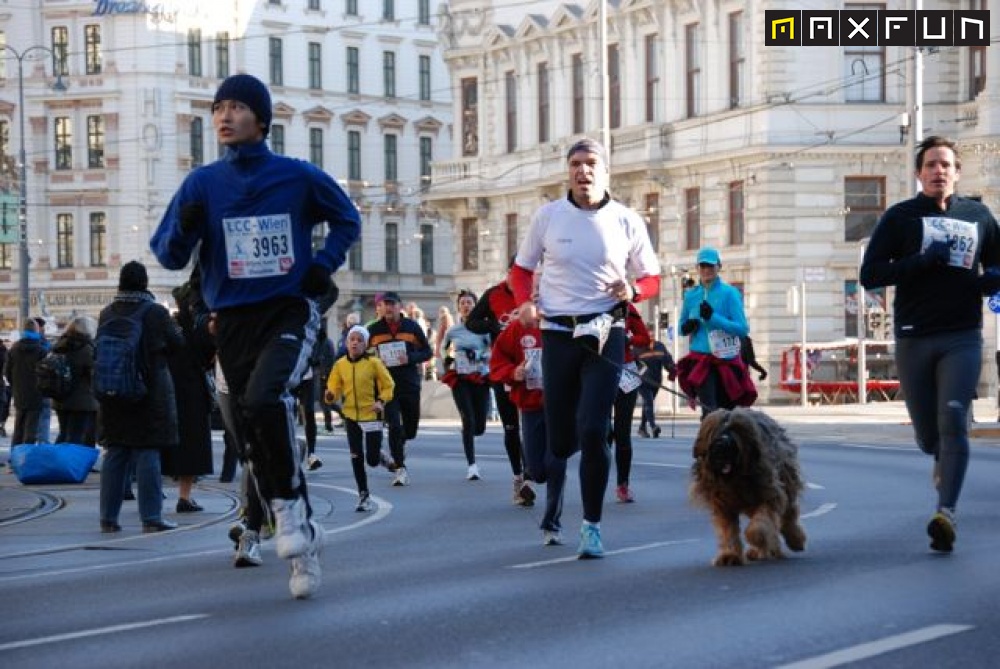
x=9, y=218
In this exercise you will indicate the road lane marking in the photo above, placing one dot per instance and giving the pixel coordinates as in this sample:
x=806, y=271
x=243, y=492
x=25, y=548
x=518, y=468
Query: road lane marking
x=821, y=510
x=620, y=551
x=83, y=634
x=880, y=647
x=383, y=509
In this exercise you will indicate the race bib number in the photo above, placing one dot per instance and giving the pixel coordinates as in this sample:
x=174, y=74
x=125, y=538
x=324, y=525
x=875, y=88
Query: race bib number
x=392, y=353
x=259, y=246
x=370, y=426
x=630, y=378
x=533, y=368
x=961, y=236
x=464, y=364
x=723, y=345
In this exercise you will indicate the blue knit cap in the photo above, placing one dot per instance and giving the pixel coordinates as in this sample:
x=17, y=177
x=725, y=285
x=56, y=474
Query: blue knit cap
x=252, y=92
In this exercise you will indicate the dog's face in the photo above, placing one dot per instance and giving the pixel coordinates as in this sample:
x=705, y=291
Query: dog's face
x=725, y=445
x=723, y=457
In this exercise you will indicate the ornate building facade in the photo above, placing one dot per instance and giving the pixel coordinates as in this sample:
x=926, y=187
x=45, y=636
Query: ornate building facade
x=782, y=157
x=358, y=88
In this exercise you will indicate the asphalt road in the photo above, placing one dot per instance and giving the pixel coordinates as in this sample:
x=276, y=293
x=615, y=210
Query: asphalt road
x=447, y=573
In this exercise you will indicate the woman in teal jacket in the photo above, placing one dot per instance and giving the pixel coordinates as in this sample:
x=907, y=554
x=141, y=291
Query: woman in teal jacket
x=713, y=317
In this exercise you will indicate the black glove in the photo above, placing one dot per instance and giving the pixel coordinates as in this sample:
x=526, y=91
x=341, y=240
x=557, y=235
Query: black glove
x=989, y=281
x=689, y=326
x=936, y=254
x=192, y=217
x=316, y=280
x=763, y=374
x=706, y=310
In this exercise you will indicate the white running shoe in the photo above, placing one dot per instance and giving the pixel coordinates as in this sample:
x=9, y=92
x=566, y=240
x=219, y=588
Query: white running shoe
x=314, y=462
x=248, y=553
x=402, y=478
x=291, y=534
x=552, y=538
x=473, y=473
x=307, y=573
x=364, y=503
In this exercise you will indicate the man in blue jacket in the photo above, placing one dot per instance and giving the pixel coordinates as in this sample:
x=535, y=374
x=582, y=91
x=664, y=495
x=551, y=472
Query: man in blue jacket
x=252, y=212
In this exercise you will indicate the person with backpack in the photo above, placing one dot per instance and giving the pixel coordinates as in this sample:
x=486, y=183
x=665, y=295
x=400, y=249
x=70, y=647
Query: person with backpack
x=19, y=370
x=134, y=337
x=250, y=216
x=77, y=409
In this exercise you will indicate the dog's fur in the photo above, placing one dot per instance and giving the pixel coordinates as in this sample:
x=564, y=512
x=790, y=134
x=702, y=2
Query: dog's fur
x=744, y=463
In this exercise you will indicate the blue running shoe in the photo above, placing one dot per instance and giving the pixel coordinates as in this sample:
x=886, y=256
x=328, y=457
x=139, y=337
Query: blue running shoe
x=590, y=542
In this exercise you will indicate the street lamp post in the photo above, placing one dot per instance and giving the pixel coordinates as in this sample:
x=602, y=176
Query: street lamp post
x=24, y=260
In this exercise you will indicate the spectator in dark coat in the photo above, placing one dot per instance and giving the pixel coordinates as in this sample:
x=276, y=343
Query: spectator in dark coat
x=189, y=368
x=137, y=432
x=5, y=391
x=19, y=370
x=77, y=412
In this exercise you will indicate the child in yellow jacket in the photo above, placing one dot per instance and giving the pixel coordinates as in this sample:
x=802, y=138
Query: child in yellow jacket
x=363, y=385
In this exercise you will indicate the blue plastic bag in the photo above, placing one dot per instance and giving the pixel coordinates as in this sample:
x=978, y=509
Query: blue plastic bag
x=52, y=463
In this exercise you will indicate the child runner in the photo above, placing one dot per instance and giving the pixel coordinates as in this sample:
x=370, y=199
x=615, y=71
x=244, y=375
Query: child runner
x=363, y=386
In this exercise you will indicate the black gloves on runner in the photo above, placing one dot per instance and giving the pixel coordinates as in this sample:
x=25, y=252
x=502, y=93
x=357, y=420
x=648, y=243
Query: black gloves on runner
x=936, y=254
x=192, y=217
x=689, y=326
x=316, y=281
x=706, y=310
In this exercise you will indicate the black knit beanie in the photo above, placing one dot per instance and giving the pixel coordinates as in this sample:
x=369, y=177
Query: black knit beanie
x=133, y=277
x=252, y=92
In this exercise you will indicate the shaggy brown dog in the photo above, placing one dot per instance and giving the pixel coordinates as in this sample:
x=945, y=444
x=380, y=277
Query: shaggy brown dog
x=744, y=463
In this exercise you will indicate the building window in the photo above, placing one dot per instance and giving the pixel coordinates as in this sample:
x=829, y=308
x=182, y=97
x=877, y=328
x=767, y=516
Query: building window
x=470, y=244
x=977, y=70
x=64, y=143
x=98, y=239
x=354, y=155
x=95, y=142
x=653, y=219
x=316, y=147
x=614, y=87
x=510, y=86
x=351, y=9
x=315, y=65
x=692, y=218
x=391, y=158
x=92, y=48
x=275, y=62
x=197, y=142
x=543, y=102
x=64, y=240
x=424, y=12
x=5, y=153
x=389, y=73
x=863, y=67
x=194, y=52
x=864, y=201
x=470, y=117
x=222, y=55
x=353, y=79
x=652, y=75
x=277, y=136
x=6, y=256
x=354, y=256
x=425, y=77
x=426, y=249
x=392, y=247
x=737, y=60
x=511, y=225
x=60, y=51
x=737, y=206
x=578, y=100
x=426, y=157
x=314, y=5
x=388, y=10
x=692, y=68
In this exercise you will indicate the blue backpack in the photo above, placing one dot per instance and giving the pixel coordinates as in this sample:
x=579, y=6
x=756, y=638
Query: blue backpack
x=119, y=358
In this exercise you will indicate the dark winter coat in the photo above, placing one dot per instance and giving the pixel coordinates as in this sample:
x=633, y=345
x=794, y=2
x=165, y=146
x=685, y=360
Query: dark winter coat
x=151, y=422
x=19, y=370
x=79, y=349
